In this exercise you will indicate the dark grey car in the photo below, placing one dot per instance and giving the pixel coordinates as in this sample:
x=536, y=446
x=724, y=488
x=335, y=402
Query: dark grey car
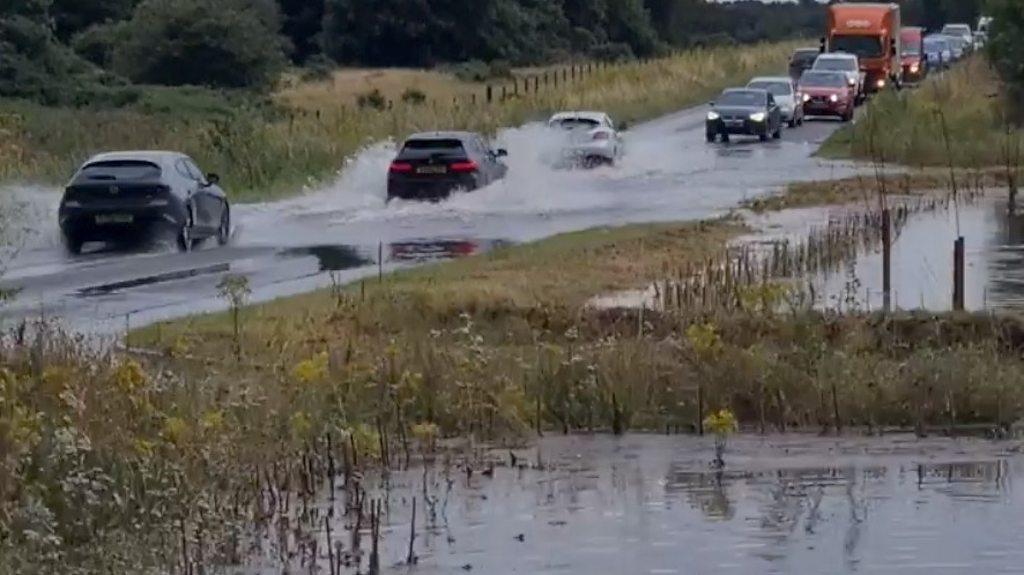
x=744, y=111
x=431, y=166
x=127, y=196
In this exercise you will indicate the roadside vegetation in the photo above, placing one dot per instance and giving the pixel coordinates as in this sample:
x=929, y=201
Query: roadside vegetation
x=302, y=135
x=963, y=116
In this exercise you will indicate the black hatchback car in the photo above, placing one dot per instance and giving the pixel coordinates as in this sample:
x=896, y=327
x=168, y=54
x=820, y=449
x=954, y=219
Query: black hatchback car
x=127, y=196
x=432, y=166
x=744, y=111
x=802, y=60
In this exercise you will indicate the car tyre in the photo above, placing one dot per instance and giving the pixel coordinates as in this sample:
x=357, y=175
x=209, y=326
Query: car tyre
x=224, y=231
x=72, y=244
x=711, y=137
x=763, y=137
x=793, y=123
x=185, y=239
x=777, y=135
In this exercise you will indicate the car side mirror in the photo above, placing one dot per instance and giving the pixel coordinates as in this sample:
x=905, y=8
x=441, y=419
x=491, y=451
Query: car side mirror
x=500, y=153
x=712, y=104
x=212, y=179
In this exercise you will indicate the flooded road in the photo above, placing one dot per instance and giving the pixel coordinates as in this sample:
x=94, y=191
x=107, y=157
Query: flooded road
x=669, y=174
x=642, y=504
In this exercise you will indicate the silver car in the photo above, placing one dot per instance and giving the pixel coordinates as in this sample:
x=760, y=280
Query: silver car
x=786, y=96
x=591, y=139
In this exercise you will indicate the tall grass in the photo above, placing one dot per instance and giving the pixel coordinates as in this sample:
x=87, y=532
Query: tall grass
x=960, y=116
x=265, y=151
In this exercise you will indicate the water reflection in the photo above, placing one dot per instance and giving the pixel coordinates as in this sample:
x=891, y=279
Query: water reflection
x=648, y=504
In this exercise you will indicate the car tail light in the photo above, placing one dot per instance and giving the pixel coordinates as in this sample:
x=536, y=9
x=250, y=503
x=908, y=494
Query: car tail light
x=400, y=167
x=464, y=167
x=602, y=136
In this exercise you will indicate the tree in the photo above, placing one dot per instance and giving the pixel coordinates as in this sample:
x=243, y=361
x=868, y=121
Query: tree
x=219, y=43
x=73, y=16
x=32, y=64
x=1006, y=44
x=302, y=22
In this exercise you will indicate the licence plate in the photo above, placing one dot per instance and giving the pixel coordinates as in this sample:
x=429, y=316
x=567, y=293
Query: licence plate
x=432, y=170
x=115, y=219
x=734, y=123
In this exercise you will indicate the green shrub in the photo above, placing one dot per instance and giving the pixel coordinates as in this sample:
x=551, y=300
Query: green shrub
x=97, y=43
x=373, y=99
x=414, y=96
x=221, y=43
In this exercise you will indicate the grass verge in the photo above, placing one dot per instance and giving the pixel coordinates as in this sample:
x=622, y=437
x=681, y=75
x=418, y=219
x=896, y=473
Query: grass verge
x=167, y=461
x=303, y=135
x=960, y=117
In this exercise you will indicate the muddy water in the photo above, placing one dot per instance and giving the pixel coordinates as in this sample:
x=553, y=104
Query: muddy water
x=653, y=504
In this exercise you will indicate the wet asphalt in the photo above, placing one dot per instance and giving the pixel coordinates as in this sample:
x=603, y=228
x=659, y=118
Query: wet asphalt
x=344, y=231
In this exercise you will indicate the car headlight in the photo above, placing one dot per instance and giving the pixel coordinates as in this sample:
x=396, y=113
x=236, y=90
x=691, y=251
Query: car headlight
x=807, y=97
x=713, y=116
x=915, y=68
x=834, y=98
x=757, y=116
x=880, y=83
x=852, y=81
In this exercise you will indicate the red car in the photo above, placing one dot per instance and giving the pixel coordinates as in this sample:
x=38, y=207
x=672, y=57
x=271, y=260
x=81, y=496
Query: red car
x=915, y=64
x=827, y=94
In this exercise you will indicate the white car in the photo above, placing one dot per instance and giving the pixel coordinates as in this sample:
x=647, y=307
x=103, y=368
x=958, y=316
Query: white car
x=591, y=139
x=786, y=96
x=848, y=64
x=962, y=31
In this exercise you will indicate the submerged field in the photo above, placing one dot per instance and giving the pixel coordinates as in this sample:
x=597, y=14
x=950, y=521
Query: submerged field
x=301, y=135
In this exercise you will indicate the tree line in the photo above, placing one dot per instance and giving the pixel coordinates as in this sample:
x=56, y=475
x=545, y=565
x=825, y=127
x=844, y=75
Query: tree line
x=53, y=50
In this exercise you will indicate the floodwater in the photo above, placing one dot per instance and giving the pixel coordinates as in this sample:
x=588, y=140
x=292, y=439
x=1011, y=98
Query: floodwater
x=922, y=258
x=345, y=230
x=644, y=504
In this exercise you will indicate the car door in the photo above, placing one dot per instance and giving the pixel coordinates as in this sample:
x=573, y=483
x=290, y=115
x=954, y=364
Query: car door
x=208, y=198
x=191, y=187
x=616, y=136
x=771, y=108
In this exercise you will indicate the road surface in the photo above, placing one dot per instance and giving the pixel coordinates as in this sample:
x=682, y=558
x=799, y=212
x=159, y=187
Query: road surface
x=669, y=174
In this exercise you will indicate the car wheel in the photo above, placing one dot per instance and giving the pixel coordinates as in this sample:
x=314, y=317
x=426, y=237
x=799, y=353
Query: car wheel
x=778, y=133
x=711, y=137
x=792, y=123
x=72, y=244
x=185, y=239
x=763, y=137
x=224, y=231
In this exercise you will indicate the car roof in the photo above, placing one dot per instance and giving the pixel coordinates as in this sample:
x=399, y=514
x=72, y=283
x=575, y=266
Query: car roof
x=837, y=56
x=581, y=115
x=154, y=156
x=452, y=135
x=781, y=79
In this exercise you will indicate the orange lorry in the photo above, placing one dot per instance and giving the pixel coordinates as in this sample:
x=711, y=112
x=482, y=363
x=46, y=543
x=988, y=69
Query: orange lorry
x=872, y=33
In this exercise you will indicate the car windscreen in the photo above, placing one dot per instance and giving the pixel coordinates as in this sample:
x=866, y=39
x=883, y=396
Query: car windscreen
x=840, y=64
x=776, y=88
x=955, y=30
x=741, y=99
x=911, y=49
x=119, y=171
x=935, y=44
x=577, y=123
x=822, y=80
x=862, y=46
x=426, y=148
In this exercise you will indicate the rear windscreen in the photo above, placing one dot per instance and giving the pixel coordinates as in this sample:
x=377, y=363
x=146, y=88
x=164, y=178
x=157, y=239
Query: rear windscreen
x=120, y=170
x=776, y=88
x=439, y=145
x=841, y=64
x=577, y=123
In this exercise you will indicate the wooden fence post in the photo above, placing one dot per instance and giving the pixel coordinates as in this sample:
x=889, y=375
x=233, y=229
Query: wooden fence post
x=490, y=93
x=886, y=262
x=958, y=274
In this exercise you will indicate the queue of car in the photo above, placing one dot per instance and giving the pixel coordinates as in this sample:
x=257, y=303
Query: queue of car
x=125, y=195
